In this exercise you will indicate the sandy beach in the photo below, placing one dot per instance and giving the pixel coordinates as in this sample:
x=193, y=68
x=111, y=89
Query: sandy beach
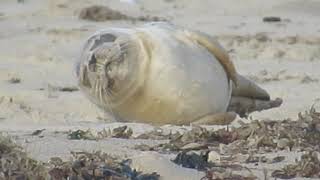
x=41, y=39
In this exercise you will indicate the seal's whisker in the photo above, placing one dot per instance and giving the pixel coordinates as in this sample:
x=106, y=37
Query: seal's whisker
x=110, y=92
x=126, y=47
x=103, y=98
x=108, y=106
x=95, y=88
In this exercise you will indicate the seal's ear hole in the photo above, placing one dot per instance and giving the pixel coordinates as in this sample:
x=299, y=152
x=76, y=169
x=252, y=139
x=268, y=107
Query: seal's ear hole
x=108, y=38
x=103, y=39
x=110, y=83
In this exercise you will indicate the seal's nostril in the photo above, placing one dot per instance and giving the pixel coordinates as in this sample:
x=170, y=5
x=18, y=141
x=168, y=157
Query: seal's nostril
x=92, y=64
x=110, y=83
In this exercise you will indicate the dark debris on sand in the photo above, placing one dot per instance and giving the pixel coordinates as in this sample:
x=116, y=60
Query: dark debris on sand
x=97, y=166
x=257, y=137
x=223, y=153
x=100, y=13
x=123, y=132
x=14, y=80
x=271, y=19
x=15, y=164
x=308, y=166
x=224, y=149
x=192, y=159
x=62, y=89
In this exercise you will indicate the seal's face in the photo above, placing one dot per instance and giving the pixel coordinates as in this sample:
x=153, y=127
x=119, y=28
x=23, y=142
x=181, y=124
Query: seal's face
x=108, y=67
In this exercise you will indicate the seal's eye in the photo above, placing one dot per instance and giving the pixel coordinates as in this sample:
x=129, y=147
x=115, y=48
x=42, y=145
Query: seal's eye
x=104, y=38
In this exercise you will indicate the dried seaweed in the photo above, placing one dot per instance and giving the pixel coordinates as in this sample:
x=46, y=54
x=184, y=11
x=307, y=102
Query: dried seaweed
x=197, y=137
x=157, y=134
x=308, y=166
x=15, y=164
x=98, y=166
x=256, y=136
x=81, y=134
x=216, y=175
x=120, y=132
x=193, y=148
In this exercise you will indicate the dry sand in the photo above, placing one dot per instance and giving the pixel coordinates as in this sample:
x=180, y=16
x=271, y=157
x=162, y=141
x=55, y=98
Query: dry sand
x=40, y=40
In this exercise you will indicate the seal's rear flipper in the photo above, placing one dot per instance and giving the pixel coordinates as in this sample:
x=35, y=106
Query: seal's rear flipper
x=248, y=97
x=249, y=89
x=244, y=106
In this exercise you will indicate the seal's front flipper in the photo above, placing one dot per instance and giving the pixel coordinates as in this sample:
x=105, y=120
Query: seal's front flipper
x=216, y=119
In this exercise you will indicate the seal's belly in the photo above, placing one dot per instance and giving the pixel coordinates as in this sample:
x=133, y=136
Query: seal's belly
x=184, y=82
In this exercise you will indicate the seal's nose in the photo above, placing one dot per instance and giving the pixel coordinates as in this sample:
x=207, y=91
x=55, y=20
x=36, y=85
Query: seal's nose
x=94, y=69
x=88, y=72
x=91, y=68
x=103, y=56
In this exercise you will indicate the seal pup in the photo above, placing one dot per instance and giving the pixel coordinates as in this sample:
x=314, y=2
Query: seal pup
x=163, y=74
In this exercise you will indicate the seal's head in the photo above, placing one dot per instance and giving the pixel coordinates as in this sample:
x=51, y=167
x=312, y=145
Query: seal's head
x=109, y=69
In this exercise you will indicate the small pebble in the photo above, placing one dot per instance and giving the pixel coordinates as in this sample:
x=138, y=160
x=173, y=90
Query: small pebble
x=214, y=157
x=271, y=19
